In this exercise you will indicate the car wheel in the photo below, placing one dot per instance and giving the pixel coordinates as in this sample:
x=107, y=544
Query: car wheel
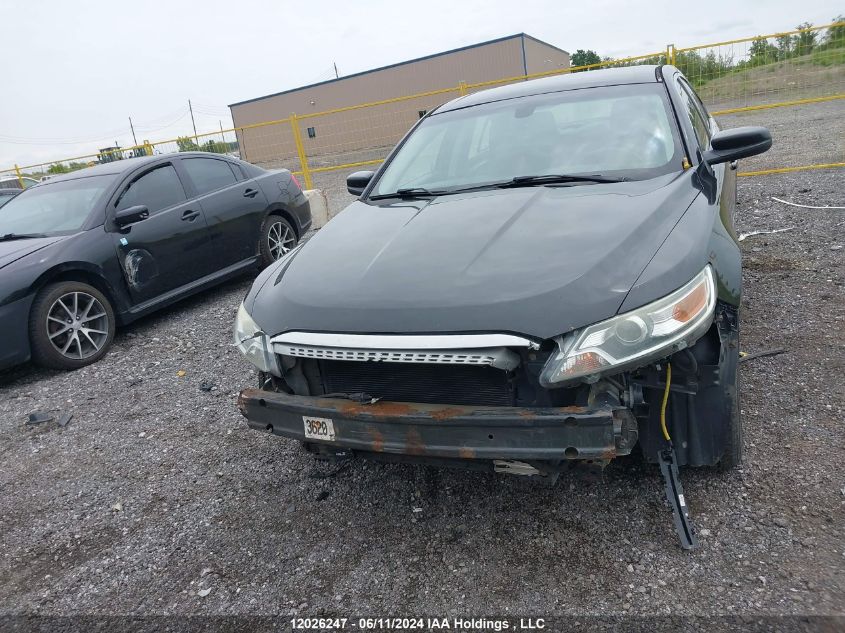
x=277, y=238
x=71, y=325
x=732, y=456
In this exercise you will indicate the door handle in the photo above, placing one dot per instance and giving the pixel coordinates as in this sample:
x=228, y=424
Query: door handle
x=190, y=216
x=250, y=193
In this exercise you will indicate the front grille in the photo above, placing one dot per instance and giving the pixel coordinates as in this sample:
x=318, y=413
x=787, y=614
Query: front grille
x=444, y=357
x=429, y=383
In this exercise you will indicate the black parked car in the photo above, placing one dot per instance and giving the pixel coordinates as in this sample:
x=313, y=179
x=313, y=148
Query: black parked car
x=539, y=273
x=84, y=252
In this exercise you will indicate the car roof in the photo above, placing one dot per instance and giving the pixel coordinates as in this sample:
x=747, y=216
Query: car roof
x=117, y=167
x=557, y=83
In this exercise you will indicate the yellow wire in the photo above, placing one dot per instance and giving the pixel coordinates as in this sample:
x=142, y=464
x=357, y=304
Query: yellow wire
x=666, y=400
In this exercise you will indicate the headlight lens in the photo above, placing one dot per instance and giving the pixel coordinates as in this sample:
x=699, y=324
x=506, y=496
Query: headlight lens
x=633, y=339
x=254, y=344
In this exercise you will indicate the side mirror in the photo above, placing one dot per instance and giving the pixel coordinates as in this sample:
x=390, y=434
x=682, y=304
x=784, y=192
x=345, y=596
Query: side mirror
x=740, y=142
x=357, y=182
x=130, y=215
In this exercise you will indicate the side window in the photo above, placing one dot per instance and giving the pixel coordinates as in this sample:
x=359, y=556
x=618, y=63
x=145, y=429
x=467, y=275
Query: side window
x=157, y=189
x=699, y=121
x=208, y=174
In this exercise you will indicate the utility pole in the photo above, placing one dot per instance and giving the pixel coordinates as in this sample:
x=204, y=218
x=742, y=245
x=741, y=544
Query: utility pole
x=196, y=138
x=336, y=75
x=132, y=127
x=222, y=136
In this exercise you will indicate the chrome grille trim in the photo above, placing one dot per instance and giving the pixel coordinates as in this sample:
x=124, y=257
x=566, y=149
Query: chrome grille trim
x=404, y=342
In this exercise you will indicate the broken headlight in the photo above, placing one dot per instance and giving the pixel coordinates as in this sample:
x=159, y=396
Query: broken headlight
x=254, y=344
x=635, y=338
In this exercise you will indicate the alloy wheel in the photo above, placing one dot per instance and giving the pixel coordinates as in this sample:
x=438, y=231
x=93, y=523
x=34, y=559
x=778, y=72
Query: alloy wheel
x=77, y=325
x=280, y=239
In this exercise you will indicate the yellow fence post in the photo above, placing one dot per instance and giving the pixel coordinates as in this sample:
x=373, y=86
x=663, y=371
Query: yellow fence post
x=300, y=150
x=20, y=175
x=148, y=148
x=462, y=88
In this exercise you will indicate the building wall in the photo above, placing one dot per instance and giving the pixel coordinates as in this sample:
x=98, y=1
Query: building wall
x=540, y=57
x=349, y=136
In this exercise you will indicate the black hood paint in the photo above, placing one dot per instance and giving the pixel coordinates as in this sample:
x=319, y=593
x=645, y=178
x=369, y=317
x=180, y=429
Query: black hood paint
x=13, y=250
x=537, y=261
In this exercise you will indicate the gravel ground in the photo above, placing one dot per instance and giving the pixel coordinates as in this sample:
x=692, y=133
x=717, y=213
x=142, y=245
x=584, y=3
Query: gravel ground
x=157, y=499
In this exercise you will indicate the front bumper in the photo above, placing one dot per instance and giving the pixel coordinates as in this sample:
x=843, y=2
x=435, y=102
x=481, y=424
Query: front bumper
x=449, y=431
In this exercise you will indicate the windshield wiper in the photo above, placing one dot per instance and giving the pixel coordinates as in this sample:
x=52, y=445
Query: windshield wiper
x=20, y=236
x=408, y=192
x=551, y=179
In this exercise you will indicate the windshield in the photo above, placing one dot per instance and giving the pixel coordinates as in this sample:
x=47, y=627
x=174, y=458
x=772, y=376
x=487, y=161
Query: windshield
x=613, y=131
x=54, y=207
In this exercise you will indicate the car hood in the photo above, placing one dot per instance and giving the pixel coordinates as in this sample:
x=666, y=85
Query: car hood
x=13, y=250
x=536, y=261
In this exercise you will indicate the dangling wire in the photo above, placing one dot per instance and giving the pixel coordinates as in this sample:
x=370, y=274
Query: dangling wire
x=665, y=401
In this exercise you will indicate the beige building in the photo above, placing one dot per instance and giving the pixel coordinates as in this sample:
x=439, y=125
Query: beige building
x=364, y=133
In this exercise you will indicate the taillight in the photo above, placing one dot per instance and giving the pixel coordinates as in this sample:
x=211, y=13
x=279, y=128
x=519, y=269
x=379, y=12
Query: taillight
x=295, y=181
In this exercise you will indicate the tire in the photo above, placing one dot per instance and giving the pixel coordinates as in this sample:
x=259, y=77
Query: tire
x=733, y=454
x=277, y=238
x=60, y=340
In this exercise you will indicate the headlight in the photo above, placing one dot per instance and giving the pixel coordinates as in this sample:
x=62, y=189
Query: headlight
x=633, y=339
x=254, y=344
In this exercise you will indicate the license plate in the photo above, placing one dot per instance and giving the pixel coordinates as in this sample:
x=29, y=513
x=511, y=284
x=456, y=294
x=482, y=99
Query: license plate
x=318, y=428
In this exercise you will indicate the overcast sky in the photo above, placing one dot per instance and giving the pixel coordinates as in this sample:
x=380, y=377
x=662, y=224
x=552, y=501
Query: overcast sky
x=73, y=71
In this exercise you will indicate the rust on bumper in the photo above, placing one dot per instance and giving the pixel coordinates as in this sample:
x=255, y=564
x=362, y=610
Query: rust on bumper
x=449, y=431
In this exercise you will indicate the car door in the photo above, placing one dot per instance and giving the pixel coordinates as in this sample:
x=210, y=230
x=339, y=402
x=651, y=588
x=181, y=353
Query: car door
x=234, y=206
x=168, y=249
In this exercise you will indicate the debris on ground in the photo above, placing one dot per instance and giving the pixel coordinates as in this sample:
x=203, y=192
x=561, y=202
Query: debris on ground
x=65, y=419
x=802, y=206
x=202, y=593
x=743, y=236
x=117, y=507
x=322, y=495
x=745, y=356
x=181, y=373
x=37, y=417
x=331, y=473
x=206, y=386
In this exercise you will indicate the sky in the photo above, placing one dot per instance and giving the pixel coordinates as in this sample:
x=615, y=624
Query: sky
x=74, y=72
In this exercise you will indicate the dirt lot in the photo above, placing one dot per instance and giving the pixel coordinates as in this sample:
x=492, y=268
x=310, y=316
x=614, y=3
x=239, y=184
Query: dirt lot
x=157, y=499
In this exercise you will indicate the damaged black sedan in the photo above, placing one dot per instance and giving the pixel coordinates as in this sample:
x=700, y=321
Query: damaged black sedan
x=100, y=247
x=539, y=274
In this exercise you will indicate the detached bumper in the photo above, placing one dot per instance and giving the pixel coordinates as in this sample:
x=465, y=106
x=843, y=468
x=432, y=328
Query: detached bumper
x=446, y=431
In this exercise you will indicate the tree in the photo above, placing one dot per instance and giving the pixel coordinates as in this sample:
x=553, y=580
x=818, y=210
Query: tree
x=786, y=46
x=216, y=147
x=186, y=144
x=805, y=41
x=584, y=58
x=761, y=52
x=836, y=34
